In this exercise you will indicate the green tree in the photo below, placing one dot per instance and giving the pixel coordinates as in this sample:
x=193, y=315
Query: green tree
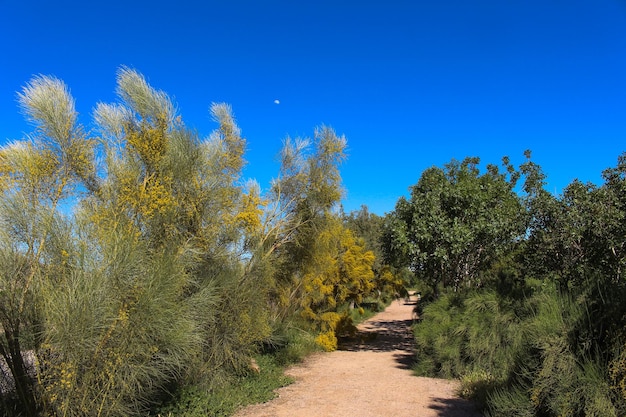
x=547, y=339
x=455, y=223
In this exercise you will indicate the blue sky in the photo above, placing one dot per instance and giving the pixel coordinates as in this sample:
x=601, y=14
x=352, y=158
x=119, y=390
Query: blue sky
x=410, y=83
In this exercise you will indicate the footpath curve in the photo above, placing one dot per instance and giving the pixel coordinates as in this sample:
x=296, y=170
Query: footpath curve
x=368, y=377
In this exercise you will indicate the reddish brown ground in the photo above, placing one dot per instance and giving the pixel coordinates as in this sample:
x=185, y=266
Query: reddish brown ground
x=367, y=377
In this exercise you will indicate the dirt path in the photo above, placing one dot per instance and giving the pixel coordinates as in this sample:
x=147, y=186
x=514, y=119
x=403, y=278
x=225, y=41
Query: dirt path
x=370, y=377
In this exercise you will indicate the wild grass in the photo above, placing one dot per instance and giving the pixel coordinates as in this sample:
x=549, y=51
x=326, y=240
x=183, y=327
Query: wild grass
x=232, y=393
x=511, y=401
x=296, y=345
x=224, y=393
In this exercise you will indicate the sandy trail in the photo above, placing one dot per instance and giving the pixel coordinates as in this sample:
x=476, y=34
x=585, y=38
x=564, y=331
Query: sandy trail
x=367, y=377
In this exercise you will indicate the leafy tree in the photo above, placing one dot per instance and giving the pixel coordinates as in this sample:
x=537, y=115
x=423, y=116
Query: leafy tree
x=553, y=338
x=455, y=223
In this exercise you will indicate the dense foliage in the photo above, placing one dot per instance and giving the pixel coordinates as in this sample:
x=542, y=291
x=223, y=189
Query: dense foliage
x=538, y=329
x=139, y=271
x=137, y=263
x=455, y=223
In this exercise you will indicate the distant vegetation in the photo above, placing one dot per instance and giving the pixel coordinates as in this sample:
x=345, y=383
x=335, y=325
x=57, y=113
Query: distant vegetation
x=140, y=274
x=526, y=290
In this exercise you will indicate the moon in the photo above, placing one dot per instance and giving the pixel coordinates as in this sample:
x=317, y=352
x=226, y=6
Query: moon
x=276, y=101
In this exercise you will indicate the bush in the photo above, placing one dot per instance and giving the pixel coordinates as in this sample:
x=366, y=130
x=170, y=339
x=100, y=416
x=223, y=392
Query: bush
x=439, y=344
x=510, y=402
x=461, y=335
x=564, y=381
x=232, y=393
x=519, y=357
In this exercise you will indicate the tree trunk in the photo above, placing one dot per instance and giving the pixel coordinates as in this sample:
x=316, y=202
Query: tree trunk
x=24, y=388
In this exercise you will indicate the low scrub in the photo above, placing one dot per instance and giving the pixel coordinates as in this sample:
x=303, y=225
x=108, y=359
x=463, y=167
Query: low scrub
x=223, y=399
x=463, y=335
x=530, y=357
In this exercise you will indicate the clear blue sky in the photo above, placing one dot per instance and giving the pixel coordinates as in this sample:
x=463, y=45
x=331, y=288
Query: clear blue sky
x=410, y=83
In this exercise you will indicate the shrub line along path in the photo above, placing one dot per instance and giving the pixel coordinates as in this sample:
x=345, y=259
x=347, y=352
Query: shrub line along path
x=369, y=376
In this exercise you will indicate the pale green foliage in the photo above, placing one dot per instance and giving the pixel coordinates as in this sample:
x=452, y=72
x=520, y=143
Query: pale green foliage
x=59, y=141
x=36, y=175
x=308, y=176
x=154, y=280
x=110, y=119
x=18, y=270
x=171, y=268
x=150, y=104
x=47, y=103
x=178, y=191
x=321, y=266
x=116, y=329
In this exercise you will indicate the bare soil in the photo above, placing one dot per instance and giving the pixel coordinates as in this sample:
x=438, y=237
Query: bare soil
x=368, y=376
